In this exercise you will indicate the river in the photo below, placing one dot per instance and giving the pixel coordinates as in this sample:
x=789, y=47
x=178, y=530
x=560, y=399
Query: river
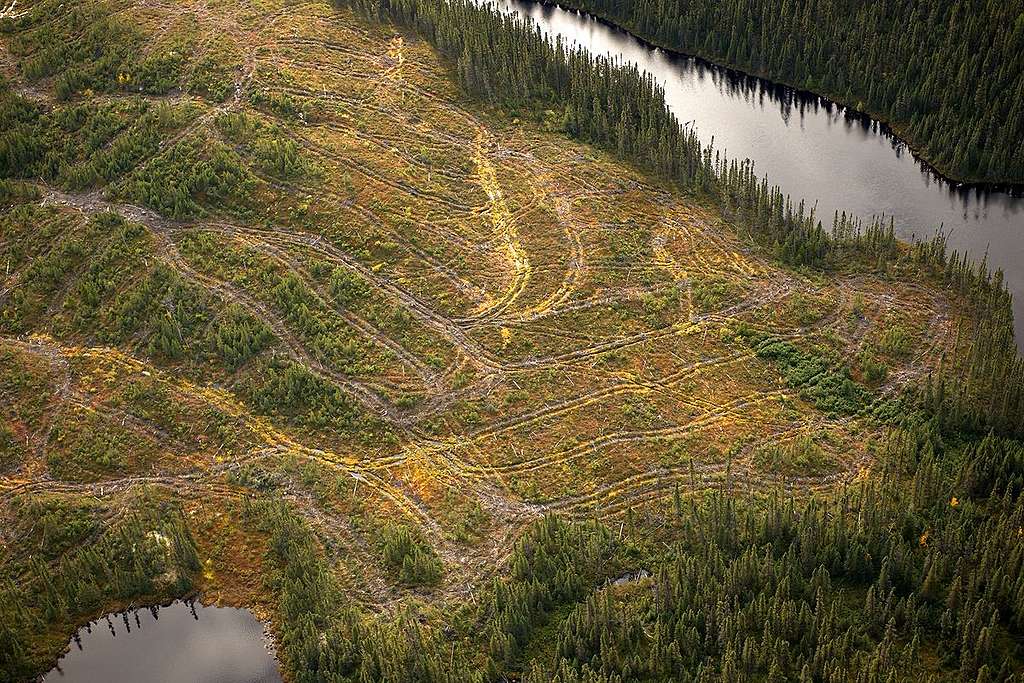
x=181, y=643
x=813, y=149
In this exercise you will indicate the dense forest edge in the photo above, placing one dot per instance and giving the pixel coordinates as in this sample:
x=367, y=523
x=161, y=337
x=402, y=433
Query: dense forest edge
x=942, y=76
x=917, y=572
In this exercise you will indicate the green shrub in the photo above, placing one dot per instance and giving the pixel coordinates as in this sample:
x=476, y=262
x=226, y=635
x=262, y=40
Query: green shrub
x=409, y=557
x=290, y=391
x=710, y=293
x=827, y=385
x=873, y=370
x=190, y=177
x=238, y=336
x=275, y=154
x=895, y=341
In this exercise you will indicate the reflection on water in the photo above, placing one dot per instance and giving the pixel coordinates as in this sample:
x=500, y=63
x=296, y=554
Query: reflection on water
x=813, y=149
x=182, y=643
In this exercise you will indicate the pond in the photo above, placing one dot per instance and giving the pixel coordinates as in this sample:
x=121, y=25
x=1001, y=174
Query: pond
x=835, y=159
x=181, y=643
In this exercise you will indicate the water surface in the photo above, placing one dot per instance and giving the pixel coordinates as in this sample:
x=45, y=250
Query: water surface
x=181, y=643
x=815, y=150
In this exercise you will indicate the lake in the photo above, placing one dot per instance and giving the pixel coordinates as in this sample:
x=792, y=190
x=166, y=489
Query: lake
x=180, y=643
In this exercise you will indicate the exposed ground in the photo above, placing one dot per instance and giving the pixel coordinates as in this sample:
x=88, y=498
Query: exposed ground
x=464, y=321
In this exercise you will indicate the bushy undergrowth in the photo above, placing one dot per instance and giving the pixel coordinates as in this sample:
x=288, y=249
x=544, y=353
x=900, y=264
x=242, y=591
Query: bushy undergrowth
x=409, y=558
x=823, y=382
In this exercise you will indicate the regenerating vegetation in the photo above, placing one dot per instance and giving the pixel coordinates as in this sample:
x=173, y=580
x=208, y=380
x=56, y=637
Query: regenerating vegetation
x=423, y=337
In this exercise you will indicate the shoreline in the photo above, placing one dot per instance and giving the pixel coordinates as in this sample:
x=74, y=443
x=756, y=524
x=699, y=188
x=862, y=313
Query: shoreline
x=270, y=637
x=1012, y=189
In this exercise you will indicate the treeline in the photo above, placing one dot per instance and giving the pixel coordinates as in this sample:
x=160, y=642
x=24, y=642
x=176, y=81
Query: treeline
x=917, y=575
x=982, y=385
x=325, y=637
x=149, y=555
x=322, y=637
x=923, y=563
x=553, y=566
x=949, y=74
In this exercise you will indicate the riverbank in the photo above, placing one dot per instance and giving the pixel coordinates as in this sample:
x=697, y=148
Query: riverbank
x=858, y=109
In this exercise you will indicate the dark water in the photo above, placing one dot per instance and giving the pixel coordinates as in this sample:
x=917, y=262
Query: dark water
x=181, y=643
x=813, y=149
